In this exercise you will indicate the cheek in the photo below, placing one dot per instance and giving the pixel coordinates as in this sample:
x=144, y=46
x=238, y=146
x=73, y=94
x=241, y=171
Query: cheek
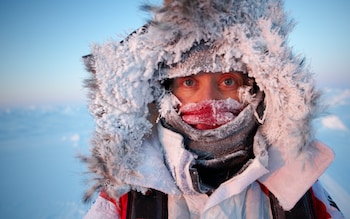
x=177, y=92
x=184, y=97
x=232, y=94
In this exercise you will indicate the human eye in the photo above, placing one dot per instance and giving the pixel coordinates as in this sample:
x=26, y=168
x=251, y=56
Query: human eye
x=187, y=82
x=184, y=83
x=228, y=81
x=231, y=81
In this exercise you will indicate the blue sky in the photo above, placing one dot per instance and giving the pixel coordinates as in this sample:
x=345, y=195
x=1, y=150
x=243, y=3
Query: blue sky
x=42, y=42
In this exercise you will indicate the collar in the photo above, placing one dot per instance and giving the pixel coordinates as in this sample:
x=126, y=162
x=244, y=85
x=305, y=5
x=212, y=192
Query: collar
x=290, y=175
x=152, y=169
x=179, y=160
x=286, y=175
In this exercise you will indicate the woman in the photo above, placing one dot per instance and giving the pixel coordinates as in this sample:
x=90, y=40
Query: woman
x=206, y=113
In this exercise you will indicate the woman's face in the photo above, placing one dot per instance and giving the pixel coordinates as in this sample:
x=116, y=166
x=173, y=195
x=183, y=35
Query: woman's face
x=206, y=98
x=207, y=86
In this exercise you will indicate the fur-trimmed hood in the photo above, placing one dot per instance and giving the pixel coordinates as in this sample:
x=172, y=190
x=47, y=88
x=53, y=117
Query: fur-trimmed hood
x=245, y=35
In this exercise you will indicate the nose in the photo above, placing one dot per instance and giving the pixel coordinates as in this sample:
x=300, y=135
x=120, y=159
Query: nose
x=209, y=92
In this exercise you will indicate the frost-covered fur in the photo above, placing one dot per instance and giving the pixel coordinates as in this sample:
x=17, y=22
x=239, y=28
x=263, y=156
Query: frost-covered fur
x=243, y=35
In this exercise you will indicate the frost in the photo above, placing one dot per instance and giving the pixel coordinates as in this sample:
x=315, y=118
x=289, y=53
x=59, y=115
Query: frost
x=251, y=38
x=210, y=113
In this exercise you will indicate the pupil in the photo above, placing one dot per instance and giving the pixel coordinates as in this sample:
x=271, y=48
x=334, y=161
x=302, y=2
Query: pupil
x=189, y=82
x=228, y=81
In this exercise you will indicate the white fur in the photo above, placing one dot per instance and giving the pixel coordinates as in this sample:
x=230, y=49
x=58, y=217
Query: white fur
x=248, y=35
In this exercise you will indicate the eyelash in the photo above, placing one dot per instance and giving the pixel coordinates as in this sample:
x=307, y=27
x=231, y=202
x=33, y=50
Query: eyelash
x=230, y=80
x=186, y=80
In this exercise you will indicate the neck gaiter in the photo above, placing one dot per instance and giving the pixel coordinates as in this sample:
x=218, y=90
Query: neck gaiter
x=224, y=149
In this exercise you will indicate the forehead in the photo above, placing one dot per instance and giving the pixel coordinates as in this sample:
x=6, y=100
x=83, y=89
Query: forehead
x=216, y=75
x=213, y=74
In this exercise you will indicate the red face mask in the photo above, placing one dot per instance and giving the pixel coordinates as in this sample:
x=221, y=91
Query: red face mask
x=210, y=114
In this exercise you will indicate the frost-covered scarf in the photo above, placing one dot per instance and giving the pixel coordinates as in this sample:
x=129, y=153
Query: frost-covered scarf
x=223, y=151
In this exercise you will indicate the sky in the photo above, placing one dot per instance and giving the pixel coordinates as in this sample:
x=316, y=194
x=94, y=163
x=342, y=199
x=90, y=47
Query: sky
x=42, y=42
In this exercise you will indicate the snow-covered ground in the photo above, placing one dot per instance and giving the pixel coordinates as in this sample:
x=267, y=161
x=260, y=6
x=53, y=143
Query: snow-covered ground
x=42, y=178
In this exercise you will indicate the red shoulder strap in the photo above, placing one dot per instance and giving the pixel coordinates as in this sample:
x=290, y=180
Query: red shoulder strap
x=121, y=206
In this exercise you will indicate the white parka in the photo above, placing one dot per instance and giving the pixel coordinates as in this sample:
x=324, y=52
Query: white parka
x=249, y=36
x=239, y=197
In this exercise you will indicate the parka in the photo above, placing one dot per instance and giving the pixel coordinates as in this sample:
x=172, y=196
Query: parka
x=135, y=157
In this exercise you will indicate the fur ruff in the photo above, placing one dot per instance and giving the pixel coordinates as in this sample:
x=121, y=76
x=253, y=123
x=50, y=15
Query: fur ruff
x=248, y=35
